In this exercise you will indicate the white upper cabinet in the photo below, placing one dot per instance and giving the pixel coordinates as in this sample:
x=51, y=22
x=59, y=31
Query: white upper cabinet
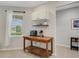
x=41, y=13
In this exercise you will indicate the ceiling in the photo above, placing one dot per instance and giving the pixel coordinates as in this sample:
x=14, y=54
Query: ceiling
x=66, y=5
x=28, y=4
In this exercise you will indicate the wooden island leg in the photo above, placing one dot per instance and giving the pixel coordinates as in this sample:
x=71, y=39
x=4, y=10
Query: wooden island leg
x=47, y=50
x=31, y=43
x=24, y=44
x=51, y=46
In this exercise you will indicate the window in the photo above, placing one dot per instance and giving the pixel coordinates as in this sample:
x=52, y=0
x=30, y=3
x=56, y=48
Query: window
x=16, y=25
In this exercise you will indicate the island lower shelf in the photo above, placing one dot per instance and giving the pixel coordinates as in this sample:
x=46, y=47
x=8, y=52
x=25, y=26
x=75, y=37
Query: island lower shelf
x=39, y=51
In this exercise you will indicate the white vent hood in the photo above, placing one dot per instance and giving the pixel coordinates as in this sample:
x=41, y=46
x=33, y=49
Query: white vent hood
x=41, y=13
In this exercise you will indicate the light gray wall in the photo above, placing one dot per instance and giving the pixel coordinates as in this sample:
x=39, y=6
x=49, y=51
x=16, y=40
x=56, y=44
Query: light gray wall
x=63, y=25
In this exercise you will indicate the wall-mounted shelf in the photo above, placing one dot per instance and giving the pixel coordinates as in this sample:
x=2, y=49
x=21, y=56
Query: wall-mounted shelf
x=41, y=22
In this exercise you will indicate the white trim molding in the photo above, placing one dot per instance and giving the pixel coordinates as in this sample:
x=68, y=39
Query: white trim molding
x=8, y=26
x=5, y=49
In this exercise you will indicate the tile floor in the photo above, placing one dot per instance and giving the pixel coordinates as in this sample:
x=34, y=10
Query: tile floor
x=61, y=52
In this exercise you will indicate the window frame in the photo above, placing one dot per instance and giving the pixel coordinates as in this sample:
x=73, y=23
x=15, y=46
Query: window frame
x=20, y=14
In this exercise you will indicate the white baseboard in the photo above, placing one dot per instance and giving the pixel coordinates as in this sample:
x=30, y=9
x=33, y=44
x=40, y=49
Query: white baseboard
x=4, y=49
x=63, y=45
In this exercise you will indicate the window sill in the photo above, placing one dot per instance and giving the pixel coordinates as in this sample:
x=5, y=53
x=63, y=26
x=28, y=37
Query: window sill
x=16, y=35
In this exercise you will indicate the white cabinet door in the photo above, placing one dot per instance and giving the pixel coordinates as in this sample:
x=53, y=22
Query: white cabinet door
x=41, y=13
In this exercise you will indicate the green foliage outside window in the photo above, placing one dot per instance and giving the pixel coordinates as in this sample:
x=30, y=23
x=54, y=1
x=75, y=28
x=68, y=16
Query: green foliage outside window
x=18, y=28
x=18, y=31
